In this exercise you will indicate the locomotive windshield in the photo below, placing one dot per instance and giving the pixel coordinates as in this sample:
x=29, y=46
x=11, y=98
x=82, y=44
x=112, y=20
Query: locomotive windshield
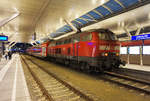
x=107, y=36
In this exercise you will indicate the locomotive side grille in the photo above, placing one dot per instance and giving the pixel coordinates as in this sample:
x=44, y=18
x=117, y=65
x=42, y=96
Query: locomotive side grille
x=104, y=47
x=116, y=47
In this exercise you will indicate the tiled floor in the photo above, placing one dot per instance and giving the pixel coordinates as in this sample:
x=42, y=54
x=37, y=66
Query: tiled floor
x=12, y=82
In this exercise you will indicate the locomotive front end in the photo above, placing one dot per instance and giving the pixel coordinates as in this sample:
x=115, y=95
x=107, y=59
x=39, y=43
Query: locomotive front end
x=108, y=51
x=109, y=60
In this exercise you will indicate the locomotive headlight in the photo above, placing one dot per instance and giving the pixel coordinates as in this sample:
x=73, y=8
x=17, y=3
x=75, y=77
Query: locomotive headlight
x=117, y=54
x=106, y=54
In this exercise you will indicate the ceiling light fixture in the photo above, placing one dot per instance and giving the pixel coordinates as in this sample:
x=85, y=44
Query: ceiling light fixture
x=6, y=20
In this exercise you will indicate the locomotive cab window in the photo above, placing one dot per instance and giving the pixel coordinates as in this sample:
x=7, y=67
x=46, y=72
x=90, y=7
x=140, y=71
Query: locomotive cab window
x=76, y=39
x=87, y=37
x=67, y=41
x=106, y=36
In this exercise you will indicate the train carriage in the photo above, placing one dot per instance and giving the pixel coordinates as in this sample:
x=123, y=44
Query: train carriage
x=39, y=50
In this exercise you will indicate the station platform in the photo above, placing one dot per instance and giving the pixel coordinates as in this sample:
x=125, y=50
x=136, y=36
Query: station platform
x=137, y=67
x=13, y=85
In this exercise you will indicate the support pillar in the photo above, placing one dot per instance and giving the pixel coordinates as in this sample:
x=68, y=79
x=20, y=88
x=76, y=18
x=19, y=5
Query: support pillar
x=138, y=31
x=128, y=33
x=141, y=53
x=128, y=62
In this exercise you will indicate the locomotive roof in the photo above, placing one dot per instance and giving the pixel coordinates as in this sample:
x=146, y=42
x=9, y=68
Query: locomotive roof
x=100, y=30
x=91, y=30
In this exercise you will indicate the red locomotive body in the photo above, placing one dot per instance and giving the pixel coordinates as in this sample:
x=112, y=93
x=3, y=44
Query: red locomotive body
x=93, y=50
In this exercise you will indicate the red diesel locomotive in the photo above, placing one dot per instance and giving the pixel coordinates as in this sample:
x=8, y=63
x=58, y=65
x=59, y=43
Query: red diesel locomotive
x=95, y=50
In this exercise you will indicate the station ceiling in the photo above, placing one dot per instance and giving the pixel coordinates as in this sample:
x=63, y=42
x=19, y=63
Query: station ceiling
x=47, y=16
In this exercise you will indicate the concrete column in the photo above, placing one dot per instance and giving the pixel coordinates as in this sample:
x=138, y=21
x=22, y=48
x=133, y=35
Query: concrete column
x=141, y=53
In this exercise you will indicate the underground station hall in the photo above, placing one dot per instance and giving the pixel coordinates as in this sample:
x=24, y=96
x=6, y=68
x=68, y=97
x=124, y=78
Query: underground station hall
x=74, y=50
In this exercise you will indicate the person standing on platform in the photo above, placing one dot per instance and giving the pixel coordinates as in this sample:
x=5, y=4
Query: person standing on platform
x=9, y=55
x=0, y=56
x=6, y=55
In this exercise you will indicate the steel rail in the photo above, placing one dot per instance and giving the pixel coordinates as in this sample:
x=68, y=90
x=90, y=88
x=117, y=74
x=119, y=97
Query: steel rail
x=128, y=79
x=45, y=92
x=79, y=93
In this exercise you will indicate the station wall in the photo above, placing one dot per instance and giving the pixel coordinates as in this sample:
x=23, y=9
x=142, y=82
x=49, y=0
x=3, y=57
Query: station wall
x=135, y=52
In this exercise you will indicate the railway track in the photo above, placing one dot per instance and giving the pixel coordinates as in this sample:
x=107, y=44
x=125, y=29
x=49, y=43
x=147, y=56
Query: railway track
x=52, y=87
x=127, y=81
x=143, y=75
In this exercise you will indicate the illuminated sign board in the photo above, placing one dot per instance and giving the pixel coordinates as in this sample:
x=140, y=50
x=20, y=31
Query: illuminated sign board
x=3, y=38
x=141, y=37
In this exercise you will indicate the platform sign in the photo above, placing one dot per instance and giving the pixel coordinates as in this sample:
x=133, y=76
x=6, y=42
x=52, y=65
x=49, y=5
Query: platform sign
x=141, y=37
x=3, y=38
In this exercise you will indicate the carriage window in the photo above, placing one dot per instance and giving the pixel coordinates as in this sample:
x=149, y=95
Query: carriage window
x=65, y=42
x=69, y=41
x=76, y=39
x=86, y=37
x=61, y=42
x=52, y=44
x=57, y=43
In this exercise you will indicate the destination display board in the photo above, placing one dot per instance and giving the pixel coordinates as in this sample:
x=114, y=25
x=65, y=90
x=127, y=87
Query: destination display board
x=3, y=38
x=141, y=37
